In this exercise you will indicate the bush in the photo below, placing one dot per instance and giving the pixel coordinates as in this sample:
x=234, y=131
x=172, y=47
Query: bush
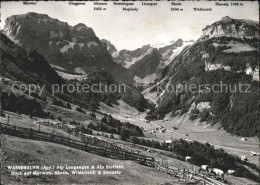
x=157, y=144
x=92, y=115
x=51, y=117
x=80, y=110
x=193, y=117
x=112, y=136
x=22, y=105
x=68, y=106
x=86, y=130
x=194, y=111
x=136, y=100
x=164, y=146
x=2, y=114
x=203, y=115
x=124, y=135
x=134, y=140
x=59, y=118
x=91, y=126
x=58, y=103
x=112, y=125
x=104, y=119
x=74, y=122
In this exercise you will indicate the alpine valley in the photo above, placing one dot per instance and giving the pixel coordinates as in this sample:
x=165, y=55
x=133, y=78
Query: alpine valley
x=157, y=115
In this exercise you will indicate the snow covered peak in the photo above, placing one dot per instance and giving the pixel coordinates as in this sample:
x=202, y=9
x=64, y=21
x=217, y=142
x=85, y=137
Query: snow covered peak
x=161, y=45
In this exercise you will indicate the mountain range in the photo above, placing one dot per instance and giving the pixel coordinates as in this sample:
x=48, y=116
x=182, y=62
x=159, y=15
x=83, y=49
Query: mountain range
x=144, y=62
x=68, y=48
x=226, y=52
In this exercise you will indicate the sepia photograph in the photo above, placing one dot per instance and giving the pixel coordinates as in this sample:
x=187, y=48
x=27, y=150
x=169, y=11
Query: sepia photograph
x=129, y=92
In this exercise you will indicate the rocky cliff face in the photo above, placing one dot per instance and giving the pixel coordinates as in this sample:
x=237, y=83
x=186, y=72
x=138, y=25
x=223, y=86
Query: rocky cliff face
x=127, y=58
x=222, y=60
x=75, y=48
x=147, y=61
x=110, y=47
x=147, y=64
x=231, y=27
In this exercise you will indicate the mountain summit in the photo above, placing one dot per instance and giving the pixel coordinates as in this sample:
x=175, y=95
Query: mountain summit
x=143, y=63
x=226, y=55
x=73, y=48
x=231, y=27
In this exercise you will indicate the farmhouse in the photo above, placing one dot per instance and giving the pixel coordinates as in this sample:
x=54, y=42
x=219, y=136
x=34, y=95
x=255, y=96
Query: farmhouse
x=168, y=142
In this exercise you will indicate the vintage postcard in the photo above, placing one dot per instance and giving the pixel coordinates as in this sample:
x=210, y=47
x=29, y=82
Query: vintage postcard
x=129, y=92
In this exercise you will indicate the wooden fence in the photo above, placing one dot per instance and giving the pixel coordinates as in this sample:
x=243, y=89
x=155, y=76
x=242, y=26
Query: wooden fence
x=110, y=150
x=105, y=150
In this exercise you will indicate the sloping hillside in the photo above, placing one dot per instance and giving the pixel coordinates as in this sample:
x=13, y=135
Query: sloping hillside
x=207, y=65
x=30, y=66
x=28, y=152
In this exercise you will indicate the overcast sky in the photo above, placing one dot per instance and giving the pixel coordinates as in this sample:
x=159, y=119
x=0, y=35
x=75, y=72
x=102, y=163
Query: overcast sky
x=130, y=30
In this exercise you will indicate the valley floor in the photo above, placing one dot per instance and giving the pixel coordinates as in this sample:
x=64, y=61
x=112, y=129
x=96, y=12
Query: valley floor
x=189, y=130
x=17, y=151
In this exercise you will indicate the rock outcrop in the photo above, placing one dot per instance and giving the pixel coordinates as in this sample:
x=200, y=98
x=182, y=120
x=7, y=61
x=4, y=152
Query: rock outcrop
x=148, y=59
x=110, y=47
x=231, y=27
x=70, y=47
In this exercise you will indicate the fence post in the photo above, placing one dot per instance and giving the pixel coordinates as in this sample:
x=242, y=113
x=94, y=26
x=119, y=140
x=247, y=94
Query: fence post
x=69, y=139
x=1, y=128
x=31, y=133
x=152, y=162
x=105, y=151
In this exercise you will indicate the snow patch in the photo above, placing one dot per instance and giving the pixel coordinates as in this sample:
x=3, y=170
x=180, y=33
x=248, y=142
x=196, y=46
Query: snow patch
x=162, y=45
x=176, y=52
x=134, y=60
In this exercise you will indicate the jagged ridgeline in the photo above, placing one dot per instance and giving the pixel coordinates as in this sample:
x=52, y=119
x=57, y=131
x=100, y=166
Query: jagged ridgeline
x=226, y=53
x=145, y=62
x=70, y=48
